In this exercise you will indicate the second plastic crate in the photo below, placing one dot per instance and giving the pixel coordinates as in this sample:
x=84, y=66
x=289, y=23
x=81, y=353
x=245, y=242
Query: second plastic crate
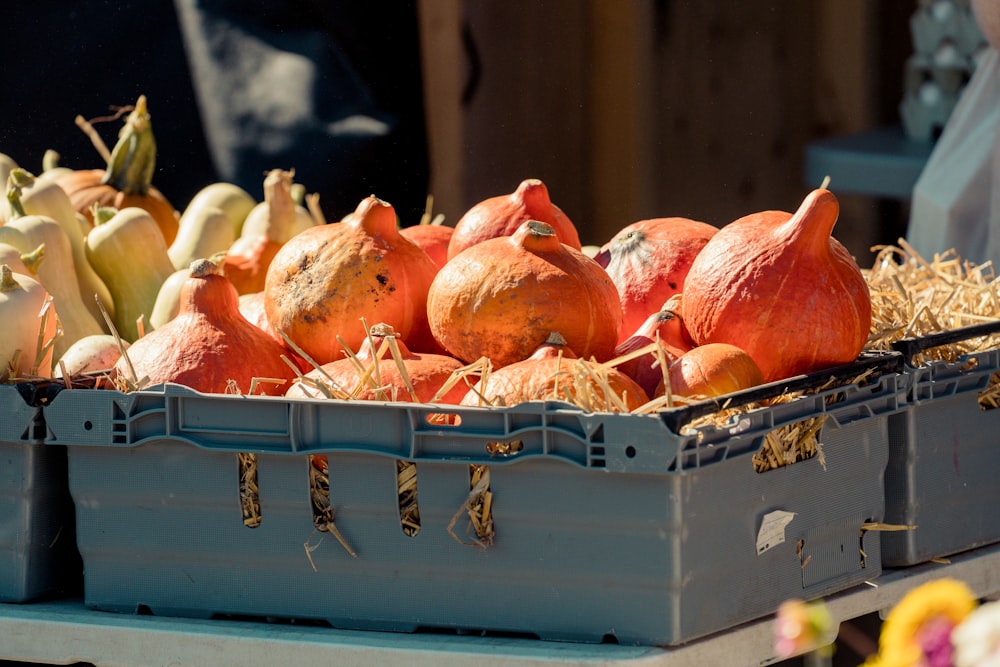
x=38, y=555
x=944, y=462
x=606, y=526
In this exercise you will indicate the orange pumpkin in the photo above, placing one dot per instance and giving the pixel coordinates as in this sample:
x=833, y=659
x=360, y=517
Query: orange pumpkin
x=553, y=372
x=501, y=298
x=648, y=261
x=208, y=344
x=374, y=374
x=252, y=308
x=780, y=287
x=502, y=215
x=434, y=239
x=326, y=278
x=127, y=179
x=711, y=370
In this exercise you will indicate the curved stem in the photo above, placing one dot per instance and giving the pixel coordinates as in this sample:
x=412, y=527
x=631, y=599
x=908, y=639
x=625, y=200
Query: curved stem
x=7, y=282
x=133, y=159
x=94, y=137
x=32, y=259
x=16, y=181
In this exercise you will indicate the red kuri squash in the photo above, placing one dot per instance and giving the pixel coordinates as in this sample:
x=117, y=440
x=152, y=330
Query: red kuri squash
x=648, y=261
x=503, y=214
x=326, y=278
x=501, y=299
x=780, y=287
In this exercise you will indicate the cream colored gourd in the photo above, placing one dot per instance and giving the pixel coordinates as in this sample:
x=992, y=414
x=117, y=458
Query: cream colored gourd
x=92, y=353
x=168, y=299
x=128, y=251
x=56, y=273
x=45, y=197
x=7, y=165
x=23, y=302
x=257, y=222
x=234, y=201
x=200, y=234
x=278, y=217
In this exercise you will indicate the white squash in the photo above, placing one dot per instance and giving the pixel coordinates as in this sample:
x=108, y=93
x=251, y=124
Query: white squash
x=26, y=310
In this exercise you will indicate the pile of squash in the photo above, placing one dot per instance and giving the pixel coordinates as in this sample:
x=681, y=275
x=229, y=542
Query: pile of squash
x=102, y=275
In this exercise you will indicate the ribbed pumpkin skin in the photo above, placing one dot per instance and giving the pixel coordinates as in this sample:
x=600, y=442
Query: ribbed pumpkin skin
x=779, y=286
x=503, y=297
x=648, y=261
x=547, y=375
x=327, y=278
x=208, y=344
x=502, y=215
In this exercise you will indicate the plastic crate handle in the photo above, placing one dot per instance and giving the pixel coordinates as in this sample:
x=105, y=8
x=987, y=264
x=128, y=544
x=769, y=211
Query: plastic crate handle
x=909, y=347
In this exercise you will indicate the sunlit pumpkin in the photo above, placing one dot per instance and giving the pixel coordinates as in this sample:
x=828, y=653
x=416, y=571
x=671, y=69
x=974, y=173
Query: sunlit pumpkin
x=503, y=214
x=648, y=261
x=554, y=372
x=503, y=297
x=780, y=287
x=209, y=346
x=325, y=279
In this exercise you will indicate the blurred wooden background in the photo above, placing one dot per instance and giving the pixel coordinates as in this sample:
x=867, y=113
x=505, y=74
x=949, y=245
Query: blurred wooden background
x=631, y=109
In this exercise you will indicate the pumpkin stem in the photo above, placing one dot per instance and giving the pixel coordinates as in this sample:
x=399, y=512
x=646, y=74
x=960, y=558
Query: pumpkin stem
x=7, y=282
x=556, y=338
x=536, y=236
x=201, y=268
x=50, y=160
x=32, y=259
x=102, y=214
x=382, y=330
x=279, y=193
x=17, y=180
x=133, y=159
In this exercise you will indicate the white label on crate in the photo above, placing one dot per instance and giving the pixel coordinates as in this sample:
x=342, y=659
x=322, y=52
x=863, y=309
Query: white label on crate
x=772, y=530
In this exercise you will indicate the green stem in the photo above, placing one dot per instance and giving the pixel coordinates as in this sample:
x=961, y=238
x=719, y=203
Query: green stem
x=7, y=282
x=133, y=158
x=17, y=180
x=103, y=213
x=32, y=259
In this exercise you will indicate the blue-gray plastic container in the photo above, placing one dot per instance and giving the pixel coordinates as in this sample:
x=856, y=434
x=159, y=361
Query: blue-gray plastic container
x=606, y=525
x=38, y=556
x=943, y=475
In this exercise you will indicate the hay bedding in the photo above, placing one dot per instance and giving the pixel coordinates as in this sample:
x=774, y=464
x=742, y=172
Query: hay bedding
x=913, y=296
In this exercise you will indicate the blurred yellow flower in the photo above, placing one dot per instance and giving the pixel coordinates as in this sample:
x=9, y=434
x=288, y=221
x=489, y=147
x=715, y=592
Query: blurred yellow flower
x=917, y=632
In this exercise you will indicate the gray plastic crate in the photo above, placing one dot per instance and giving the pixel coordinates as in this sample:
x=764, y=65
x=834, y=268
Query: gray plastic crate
x=606, y=525
x=38, y=556
x=944, y=463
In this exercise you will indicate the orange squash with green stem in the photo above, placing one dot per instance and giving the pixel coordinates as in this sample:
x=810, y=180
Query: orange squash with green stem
x=128, y=178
